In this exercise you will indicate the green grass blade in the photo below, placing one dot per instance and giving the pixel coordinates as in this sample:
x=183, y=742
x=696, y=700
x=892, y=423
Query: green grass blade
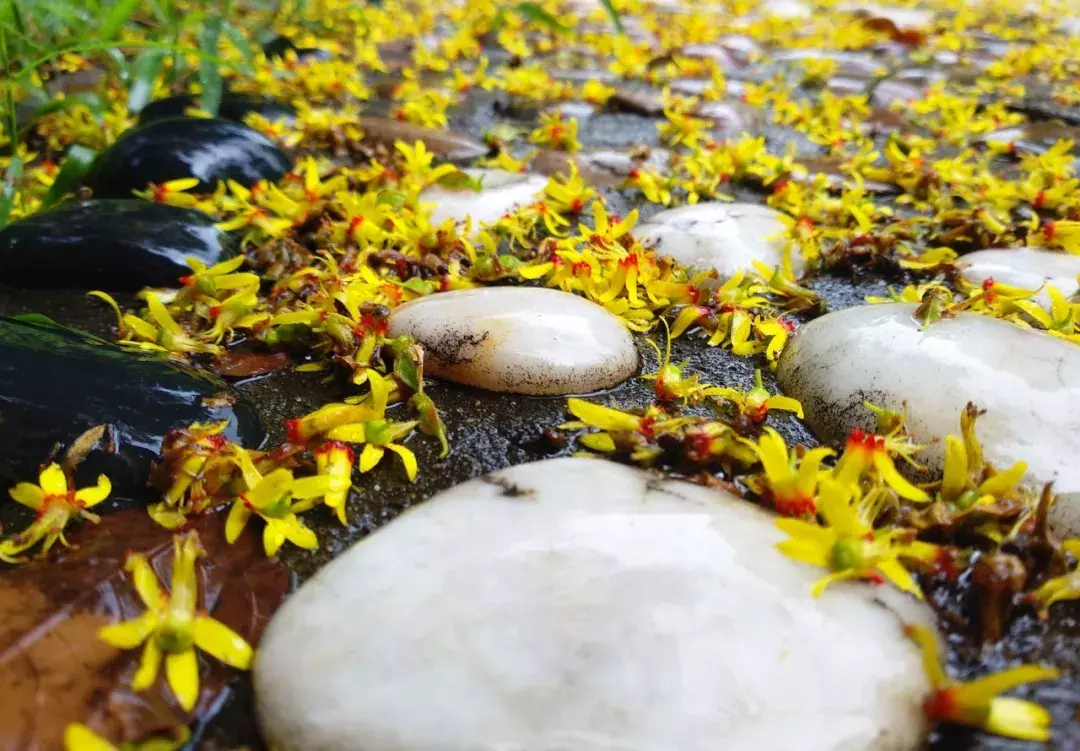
x=210, y=72
x=144, y=70
x=7, y=189
x=117, y=17
x=536, y=14
x=240, y=41
x=613, y=14
x=76, y=164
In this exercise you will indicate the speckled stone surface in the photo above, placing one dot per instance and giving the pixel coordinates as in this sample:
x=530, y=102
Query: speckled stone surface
x=581, y=604
x=519, y=340
x=1027, y=381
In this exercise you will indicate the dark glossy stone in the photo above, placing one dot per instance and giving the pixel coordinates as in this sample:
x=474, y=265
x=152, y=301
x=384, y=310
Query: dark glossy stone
x=56, y=382
x=233, y=107
x=209, y=149
x=279, y=45
x=115, y=245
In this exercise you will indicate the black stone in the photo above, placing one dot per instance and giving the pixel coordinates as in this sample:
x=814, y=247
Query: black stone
x=115, y=245
x=233, y=107
x=279, y=45
x=209, y=149
x=56, y=382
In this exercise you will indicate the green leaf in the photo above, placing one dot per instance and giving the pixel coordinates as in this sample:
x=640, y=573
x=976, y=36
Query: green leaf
x=42, y=321
x=117, y=17
x=392, y=198
x=38, y=319
x=240, y=41
x=210, y=72
x=536, y=14
x=459, y=180
x=17, y=19
x=144, y=70
x=613, y=14
x=407, y=372
x=76, y=164
x=7, y=188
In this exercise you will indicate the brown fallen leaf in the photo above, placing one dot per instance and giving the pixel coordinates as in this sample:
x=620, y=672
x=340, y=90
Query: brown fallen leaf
x=443, y=143
x=54, y=670
x=638, y=102
x=601, y=168
x=243, y=364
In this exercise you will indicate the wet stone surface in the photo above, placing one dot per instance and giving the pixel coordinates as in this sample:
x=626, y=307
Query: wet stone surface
x=174, y=148
x=109, y=244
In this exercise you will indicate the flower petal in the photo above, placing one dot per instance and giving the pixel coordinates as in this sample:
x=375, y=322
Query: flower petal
x=899, y=576
x=96, y=494
x=148, y=666
x=182, y=672
x=1016, y=718
x=370, y=456
x=602, y=417
x=273, y=536
x=129, y=634
x=300, y=534
x=145, y=581
x=28, y=494
x=896, y=481
x=78, y=737
x=408, y=458
x=238, y=519
x=217, y=639
x=52, y=480
x=270, y=488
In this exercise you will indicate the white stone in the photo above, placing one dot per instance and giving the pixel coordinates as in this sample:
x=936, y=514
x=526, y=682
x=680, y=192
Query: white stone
x=582, y=605
x=502, y=193
x=784, y=9
x=1029, y=268
x=723, y=236
x=523, y=340
x=1027, y=381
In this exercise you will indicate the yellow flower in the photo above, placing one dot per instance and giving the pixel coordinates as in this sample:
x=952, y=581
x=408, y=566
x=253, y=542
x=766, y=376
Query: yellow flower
x=202, y=460
x=221, y=276
x=867, y=452
x=569, y=196
x=333, y=463
x=172, y=192
x=555, y=132
x=978, y=703
x=963, y=483
x=56, y=504
x=1060, y=588
x=606, y=235
x=596, y=93
x=756, y=403
x=848, y=545
x=162, y=332
x=172, y=626
x=680, y=129
x=642, y=429
x=418, y=164
x=789, y=483
x=378, y=436
x=270, y=498
x=670, y=384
